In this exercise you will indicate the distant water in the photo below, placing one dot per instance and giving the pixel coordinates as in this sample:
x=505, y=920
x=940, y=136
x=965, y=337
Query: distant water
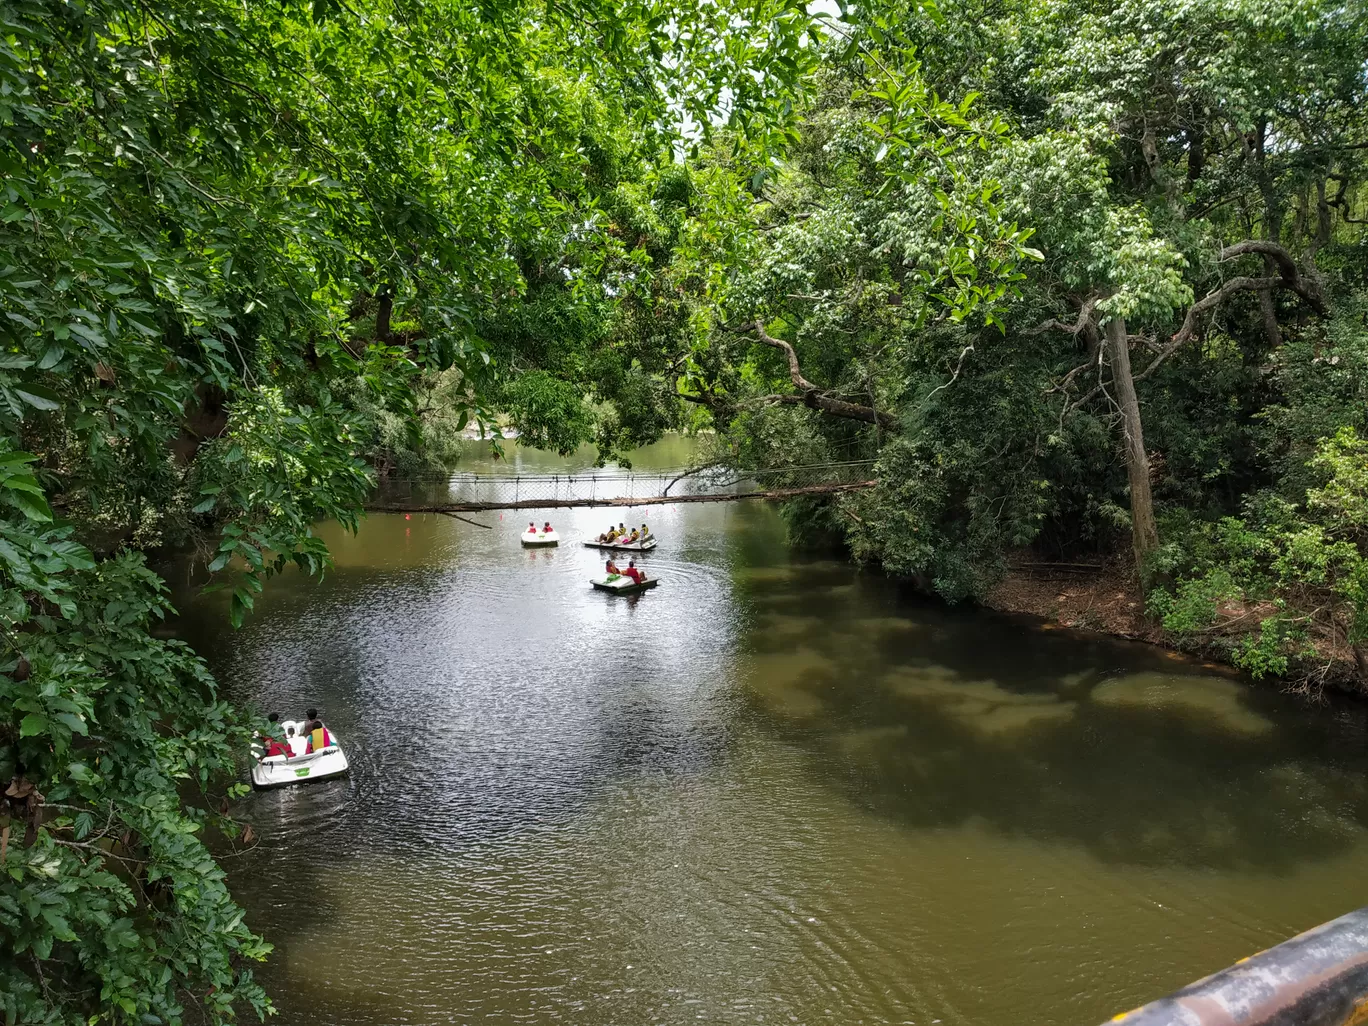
x=774, y=790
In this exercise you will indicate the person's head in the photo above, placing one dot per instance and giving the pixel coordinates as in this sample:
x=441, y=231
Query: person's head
x=316, y=725
x=532, y=524
x=631, y=562
x=311, y=714
x=548, y=525
x=289, y=731
x=273, y=718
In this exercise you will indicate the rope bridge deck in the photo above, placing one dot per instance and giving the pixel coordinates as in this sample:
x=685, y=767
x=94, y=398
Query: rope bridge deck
x=475, y=493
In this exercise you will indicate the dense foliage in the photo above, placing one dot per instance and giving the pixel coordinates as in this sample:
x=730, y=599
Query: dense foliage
x=249, y=255
x=1083, y=277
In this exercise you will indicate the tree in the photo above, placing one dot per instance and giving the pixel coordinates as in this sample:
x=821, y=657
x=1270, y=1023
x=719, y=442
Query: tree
x=234, y=238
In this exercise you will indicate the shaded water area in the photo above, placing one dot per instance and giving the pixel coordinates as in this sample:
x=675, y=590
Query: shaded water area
x=773, y=790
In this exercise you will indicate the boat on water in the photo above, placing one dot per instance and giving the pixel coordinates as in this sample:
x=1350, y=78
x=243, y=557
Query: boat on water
x=540, y=539
x=641, y=546
x=281, y=771
x=619, y=584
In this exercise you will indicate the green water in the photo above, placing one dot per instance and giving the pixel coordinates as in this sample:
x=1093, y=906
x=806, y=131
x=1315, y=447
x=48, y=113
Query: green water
x=773, y=790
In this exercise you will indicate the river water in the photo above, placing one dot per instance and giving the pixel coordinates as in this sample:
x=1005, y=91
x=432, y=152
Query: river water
x=773, y=790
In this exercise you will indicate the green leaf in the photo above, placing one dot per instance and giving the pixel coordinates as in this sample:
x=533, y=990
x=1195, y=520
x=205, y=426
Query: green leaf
x=76, y=723
x=35, y=507
x=52, y=356
x=32, y=725
x=38, y=397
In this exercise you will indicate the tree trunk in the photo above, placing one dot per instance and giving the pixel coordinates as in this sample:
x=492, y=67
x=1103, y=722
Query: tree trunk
x=1144, y=531
x=1196, y=155
x=384, y=309
x=1268, y=312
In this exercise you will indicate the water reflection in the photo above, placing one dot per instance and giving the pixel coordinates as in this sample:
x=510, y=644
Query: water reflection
x=772, y=790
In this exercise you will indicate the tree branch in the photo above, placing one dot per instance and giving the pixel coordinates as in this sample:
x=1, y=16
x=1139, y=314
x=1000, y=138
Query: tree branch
x=953, y=377
x=1291, y=277
x=1084, y=316
x=474, y=523
x=1209, y=302
x=799, y=382
x=814, y=397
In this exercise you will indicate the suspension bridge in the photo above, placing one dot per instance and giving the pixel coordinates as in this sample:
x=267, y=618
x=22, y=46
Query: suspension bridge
x=478, y=493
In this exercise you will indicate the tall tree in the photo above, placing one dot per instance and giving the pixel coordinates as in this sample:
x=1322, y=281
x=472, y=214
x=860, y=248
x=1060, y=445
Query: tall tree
x=221, y=224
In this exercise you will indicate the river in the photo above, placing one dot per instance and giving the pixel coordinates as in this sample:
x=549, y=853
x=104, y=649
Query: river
x=773, y=790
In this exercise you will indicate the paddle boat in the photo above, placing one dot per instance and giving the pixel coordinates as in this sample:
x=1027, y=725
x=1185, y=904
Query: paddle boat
x=641, y=546
x=543, y=539
x=280, y=771
x=619, y=584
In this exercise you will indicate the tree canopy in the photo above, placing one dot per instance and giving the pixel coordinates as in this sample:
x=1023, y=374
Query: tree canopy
x=237, y=243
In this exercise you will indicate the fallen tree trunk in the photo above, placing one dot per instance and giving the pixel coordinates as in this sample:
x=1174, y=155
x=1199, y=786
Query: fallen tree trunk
x=652, y=500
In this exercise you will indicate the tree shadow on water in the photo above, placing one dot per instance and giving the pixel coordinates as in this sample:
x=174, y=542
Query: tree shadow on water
x=936, y=718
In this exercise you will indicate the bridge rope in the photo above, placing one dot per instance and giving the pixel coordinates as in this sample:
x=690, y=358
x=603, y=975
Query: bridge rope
x=471, y=493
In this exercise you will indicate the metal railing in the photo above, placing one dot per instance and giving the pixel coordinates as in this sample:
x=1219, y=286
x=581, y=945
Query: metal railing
x=1318, y=978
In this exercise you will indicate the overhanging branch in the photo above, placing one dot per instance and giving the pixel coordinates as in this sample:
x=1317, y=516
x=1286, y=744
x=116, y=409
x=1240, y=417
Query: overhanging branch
x=812, y=396
x=1289, y=276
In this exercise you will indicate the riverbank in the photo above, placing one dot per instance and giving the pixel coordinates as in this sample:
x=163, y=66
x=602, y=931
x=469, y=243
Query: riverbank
x=1106, y=598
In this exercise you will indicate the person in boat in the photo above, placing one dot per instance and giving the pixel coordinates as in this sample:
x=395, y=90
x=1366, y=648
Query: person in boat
x=632, y=538
x=295, y=742
x=531, y=527
x=546, y=529
x=636, y=575
x=622, y=530
x=272, y=727
x=611, y=568
x=645, y=532
x=275, y=746
x=319, y=738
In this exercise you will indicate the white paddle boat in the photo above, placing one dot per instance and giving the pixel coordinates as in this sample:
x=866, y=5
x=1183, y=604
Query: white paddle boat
x=540, y=539
x=619, y=584
x=641, y=546
x=282, y=771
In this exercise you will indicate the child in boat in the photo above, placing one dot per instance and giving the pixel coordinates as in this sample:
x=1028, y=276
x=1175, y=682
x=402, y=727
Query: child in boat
x=531, y=527
x=547, y=528
x=319, y=738
x=294, y=742
x=636, y=575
